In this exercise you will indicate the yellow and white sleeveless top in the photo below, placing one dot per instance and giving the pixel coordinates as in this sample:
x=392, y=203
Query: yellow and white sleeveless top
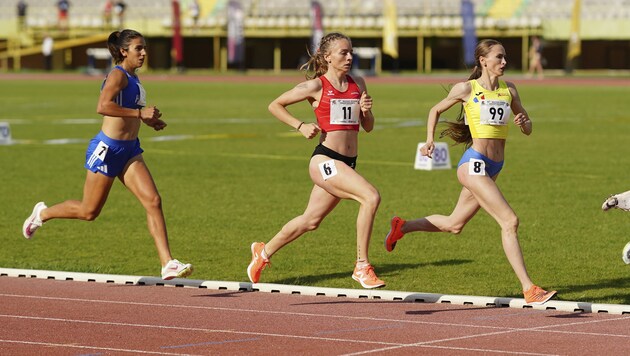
x=488, y=112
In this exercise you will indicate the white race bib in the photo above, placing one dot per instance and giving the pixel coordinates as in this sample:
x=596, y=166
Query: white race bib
x=98, y=155
x=328, y=169
x=344, y=111
x=494, y=112
x=142, y=100
x=101, y=151
x=476, y=167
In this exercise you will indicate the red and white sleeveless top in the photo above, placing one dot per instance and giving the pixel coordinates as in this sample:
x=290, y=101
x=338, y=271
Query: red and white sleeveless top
x=339, y=110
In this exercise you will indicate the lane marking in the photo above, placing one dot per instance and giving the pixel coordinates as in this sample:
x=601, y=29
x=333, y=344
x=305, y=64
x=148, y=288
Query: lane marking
x=210, y=343
x=49, y=344
x=482, y=301
x=510, y=330
x=392, y=346
x=203, y=330
x=336, y=316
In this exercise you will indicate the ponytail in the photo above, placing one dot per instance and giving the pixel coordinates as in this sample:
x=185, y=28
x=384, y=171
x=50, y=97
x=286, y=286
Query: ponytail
x=118, y=40
x=317, y=66
x=458, y=131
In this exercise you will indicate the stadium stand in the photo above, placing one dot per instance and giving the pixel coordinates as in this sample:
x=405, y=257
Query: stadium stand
x=421, y=24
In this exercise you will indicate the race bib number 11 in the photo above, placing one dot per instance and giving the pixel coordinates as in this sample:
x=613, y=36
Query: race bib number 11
x=344, y=111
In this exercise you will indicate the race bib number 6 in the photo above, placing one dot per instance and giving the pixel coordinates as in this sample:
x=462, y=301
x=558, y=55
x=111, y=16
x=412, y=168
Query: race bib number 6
x=494, y=112
x=328, y=169
x=344, y=111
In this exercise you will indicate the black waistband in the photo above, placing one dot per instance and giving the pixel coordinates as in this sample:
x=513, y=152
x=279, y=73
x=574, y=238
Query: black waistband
x=323, y=150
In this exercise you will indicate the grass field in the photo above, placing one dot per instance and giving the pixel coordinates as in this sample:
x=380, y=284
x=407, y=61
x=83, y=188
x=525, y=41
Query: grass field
x=231, y=174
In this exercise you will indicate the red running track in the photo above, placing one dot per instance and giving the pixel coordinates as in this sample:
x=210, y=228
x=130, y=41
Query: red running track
x=55, y=317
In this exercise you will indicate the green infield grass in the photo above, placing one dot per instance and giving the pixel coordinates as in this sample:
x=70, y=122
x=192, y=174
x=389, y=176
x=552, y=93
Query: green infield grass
x=230, y=174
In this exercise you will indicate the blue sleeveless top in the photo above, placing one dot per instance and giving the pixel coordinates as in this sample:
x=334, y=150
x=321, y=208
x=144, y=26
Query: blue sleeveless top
x=133, y=95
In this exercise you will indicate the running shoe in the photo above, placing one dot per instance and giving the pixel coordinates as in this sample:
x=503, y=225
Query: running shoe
x=626, y=254
x=394, y=233
x=611, y=202
x=537, y=296
x=619, y=201
x=258, y=262
x=366, y=276
x=34, y=221
x=176, y=269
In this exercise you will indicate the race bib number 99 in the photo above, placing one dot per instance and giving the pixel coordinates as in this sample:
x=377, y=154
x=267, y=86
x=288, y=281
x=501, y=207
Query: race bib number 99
x=494, y=112
x=344, y=111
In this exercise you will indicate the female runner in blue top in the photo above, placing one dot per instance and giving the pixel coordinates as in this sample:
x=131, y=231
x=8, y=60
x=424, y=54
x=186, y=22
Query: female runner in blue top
x=115, y=152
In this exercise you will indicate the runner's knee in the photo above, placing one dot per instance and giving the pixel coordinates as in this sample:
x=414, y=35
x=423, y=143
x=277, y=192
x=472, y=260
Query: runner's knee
x=89, y=214
x=312, y=223
x=510, y=223
x=454, y=227
x=372, y=200
x=153, y=202
x=456, y=230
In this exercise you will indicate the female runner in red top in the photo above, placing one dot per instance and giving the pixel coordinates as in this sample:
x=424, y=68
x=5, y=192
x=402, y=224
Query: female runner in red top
x=341, y=104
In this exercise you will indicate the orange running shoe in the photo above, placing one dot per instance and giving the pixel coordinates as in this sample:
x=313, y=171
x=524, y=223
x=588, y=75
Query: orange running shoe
x=537, y=296
x=366, y=276
x=258, y=262
x=394, y=233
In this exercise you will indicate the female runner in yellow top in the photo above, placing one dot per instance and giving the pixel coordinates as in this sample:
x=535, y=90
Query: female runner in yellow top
x=488, y=103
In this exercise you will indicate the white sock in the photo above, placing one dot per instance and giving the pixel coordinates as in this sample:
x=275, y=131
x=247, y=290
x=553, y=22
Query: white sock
x=362, y=263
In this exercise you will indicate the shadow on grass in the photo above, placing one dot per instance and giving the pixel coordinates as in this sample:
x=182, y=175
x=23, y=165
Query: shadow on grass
x=621, y=286
x=381, y=269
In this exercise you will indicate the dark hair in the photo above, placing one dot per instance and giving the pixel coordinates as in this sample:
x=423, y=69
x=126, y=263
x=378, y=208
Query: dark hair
x=118, y=40
x=317, y=65
x=458, y=131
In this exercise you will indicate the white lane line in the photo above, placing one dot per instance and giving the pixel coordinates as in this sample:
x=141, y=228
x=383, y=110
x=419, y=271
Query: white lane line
x=348, y=317
x=509, y=330
x=310, y=315
x=49, y=344
x=202, y=330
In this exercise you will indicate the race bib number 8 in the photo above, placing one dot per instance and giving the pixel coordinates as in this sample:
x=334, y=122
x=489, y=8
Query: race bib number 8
x=476, y=167
x=344, y=111
x=494, y=112
x=328, y=169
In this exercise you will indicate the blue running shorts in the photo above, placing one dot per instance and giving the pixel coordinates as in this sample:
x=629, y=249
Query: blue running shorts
x=109, y=156
x=492, y=167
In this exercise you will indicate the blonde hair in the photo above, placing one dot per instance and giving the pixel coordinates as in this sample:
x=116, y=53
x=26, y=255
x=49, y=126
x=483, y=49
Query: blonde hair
x=458, y=131
x=317, y=66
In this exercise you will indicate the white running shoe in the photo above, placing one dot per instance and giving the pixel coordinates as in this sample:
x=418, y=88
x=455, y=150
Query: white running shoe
x=176, y=269
x=626, y=254
x=34, y=221
x=619, y=201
